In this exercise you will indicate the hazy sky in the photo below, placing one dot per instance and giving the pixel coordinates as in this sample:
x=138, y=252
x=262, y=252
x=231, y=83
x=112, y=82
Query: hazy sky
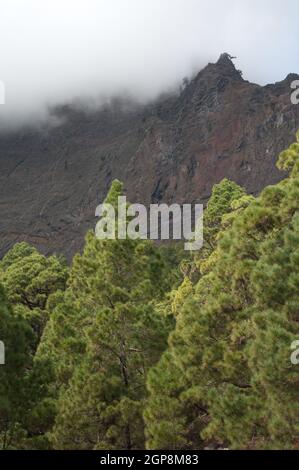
x=52, y=51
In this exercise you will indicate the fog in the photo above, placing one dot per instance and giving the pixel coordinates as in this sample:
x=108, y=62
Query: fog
x=59, y=51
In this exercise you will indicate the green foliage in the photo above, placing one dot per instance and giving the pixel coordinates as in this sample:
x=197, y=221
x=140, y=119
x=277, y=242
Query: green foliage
x=16, y=336
x=139, y=345
x=29, y=279
x=289, y=159
x=234, y=384
x=219, y=208
x=104, y=335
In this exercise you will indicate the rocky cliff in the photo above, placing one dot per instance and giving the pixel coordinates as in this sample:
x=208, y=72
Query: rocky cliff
x=172, y=150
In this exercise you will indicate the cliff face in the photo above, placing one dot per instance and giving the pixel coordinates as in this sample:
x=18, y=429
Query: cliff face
x=174, y=150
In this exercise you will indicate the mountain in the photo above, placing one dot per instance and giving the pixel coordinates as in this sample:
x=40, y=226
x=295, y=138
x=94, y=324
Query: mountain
x=172, y=150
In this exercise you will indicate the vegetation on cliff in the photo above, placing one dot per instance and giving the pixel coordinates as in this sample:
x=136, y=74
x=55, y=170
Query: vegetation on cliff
x=137, y=345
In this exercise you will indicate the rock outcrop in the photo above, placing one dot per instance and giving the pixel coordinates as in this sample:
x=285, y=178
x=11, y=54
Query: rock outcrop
x=173, y=150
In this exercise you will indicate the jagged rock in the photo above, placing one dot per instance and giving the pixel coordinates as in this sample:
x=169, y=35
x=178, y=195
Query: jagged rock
x=174, y=150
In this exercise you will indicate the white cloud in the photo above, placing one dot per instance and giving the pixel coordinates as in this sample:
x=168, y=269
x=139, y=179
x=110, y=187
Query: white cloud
x=53, y=51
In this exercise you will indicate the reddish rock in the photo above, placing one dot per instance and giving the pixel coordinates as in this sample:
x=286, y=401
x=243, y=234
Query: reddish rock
x=173, y=150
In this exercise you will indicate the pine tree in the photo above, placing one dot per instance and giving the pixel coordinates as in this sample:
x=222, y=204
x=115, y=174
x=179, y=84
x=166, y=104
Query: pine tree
x=112, y=334
x=129, y=350
x=29, y=279
x=16, y=336
x=234, y=384
x=189, y=417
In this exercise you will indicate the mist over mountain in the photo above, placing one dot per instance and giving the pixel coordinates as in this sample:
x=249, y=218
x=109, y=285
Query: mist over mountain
x=96, y=91
x=88, y=52
x=171, y=150
x=111, y=342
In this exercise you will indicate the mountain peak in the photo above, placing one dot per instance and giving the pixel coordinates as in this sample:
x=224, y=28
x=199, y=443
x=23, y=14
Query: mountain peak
x=226, y=66
x=226, y=59
x=174, y=150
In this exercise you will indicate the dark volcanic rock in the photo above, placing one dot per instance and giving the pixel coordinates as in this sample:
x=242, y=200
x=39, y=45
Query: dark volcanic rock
x=173, y=150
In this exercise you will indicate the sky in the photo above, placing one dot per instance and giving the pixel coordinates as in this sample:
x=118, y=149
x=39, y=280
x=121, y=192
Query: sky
x=59, y=51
